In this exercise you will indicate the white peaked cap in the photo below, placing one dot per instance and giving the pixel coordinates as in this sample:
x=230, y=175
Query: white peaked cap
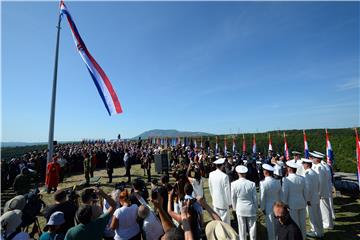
x=319, y=153
x=268, y=167
x=305, y=160
x=220, y=161
x=241, y=169
x=316, y=155
x=292, y=164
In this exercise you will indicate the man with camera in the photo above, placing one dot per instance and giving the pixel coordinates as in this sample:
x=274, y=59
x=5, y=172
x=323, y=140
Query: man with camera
x=64, y=205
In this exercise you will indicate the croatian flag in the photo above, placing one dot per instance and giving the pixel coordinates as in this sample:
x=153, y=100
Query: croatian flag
x=254, y=145
x=270, y=143
x=286, y=148
x=244, y=145
x=329, y=151
x=102, y=82
x=216, y=145
x=201, y=143
x=306, y=147
x=234, y=145
x=195, y=144
x=225, y=147
x=358, y=154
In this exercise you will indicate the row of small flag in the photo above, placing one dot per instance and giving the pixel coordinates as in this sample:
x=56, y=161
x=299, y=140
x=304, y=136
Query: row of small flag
x=187, y=141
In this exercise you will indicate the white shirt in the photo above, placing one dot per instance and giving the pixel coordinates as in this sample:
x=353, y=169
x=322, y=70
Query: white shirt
x=323, y=179
x=312, y=186
x=219, y=187
x=270, y=192
x=128, y=227
x=152, y=227
x=293, y=191
x=243, y=194
x=198, y=187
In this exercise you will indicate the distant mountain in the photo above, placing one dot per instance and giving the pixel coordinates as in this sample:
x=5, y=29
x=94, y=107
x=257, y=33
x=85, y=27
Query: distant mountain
x=21, y=144
x=170, y=133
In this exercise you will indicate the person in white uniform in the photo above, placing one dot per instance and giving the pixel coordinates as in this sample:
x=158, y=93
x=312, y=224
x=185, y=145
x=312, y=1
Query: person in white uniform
x=219, y=187
x=243, y=195
x=293, y=194
x=323, y=191
x=270, y=192
x=297, y=157
x=313, y=200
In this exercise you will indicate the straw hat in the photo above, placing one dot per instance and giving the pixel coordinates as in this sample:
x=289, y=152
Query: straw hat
x=216, y=230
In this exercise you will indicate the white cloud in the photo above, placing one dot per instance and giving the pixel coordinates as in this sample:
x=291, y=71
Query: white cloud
x=349, y=85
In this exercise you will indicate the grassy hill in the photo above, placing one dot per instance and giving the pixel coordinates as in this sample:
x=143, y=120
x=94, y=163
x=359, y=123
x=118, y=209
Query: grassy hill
x=342, y=141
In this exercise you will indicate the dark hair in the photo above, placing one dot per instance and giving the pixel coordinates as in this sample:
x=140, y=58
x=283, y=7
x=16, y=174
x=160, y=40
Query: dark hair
x=188, y=189
x=87, y=195
x=164, y=179
x=84, y=214
x=60, y=195
x=174, y=234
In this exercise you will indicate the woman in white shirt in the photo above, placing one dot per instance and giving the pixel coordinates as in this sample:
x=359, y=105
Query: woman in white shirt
x=197, y=181
x=124, y=219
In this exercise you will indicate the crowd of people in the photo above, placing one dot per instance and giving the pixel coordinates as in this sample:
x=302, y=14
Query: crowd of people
x=172, y=207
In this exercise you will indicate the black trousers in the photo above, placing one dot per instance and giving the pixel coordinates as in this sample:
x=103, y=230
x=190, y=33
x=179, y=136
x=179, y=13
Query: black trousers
x=149, y=174
x=128, y=173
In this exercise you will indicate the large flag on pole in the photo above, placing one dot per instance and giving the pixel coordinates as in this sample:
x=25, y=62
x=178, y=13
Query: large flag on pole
x=286, y=148
x=254, y=145
x=244, y=145
x=270, y=143
x=329, y=151
x=358, y=154
x=102, y=82
x=201, y=143
x=306, y=147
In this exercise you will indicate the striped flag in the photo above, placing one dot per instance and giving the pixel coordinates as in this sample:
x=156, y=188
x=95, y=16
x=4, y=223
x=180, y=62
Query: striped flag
x=286, y=148
x=201, y=143
x=358, y=154
x=329, y=151
x=101, y=81
x=270, y=143
x=244, y=145
x=216, y=145
x=306, y=147
x=225, y=147
x=254, y=145
x=195, y=144
x=234, y=145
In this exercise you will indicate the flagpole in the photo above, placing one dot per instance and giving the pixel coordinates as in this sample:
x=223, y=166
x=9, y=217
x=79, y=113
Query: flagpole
x=53, y=97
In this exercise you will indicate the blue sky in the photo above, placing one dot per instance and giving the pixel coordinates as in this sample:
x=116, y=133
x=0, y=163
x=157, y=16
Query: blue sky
x=200, y=66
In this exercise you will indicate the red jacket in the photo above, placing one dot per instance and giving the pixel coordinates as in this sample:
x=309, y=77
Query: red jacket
x=52, y=176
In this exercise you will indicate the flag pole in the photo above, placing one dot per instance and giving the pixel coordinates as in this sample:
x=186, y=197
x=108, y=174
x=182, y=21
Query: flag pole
x=53, y=97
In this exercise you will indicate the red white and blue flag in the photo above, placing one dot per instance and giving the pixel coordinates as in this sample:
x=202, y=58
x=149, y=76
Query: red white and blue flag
x=234, y=145
x=358, y=155
x=225, y=147
x=102, y=82
x=270, y=143
x=306, y=147
x=329, y=151
x=286, y=148
x=244, y=145
x=254, y=145
x=216, y=145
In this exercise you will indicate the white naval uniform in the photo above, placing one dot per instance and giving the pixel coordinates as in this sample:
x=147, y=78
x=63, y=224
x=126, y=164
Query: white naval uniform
x=293, y=194
x=243, y=195
x=270, y=192
x=324, y=196
x=331, y=202
x=312, y=195
x=219, y=187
